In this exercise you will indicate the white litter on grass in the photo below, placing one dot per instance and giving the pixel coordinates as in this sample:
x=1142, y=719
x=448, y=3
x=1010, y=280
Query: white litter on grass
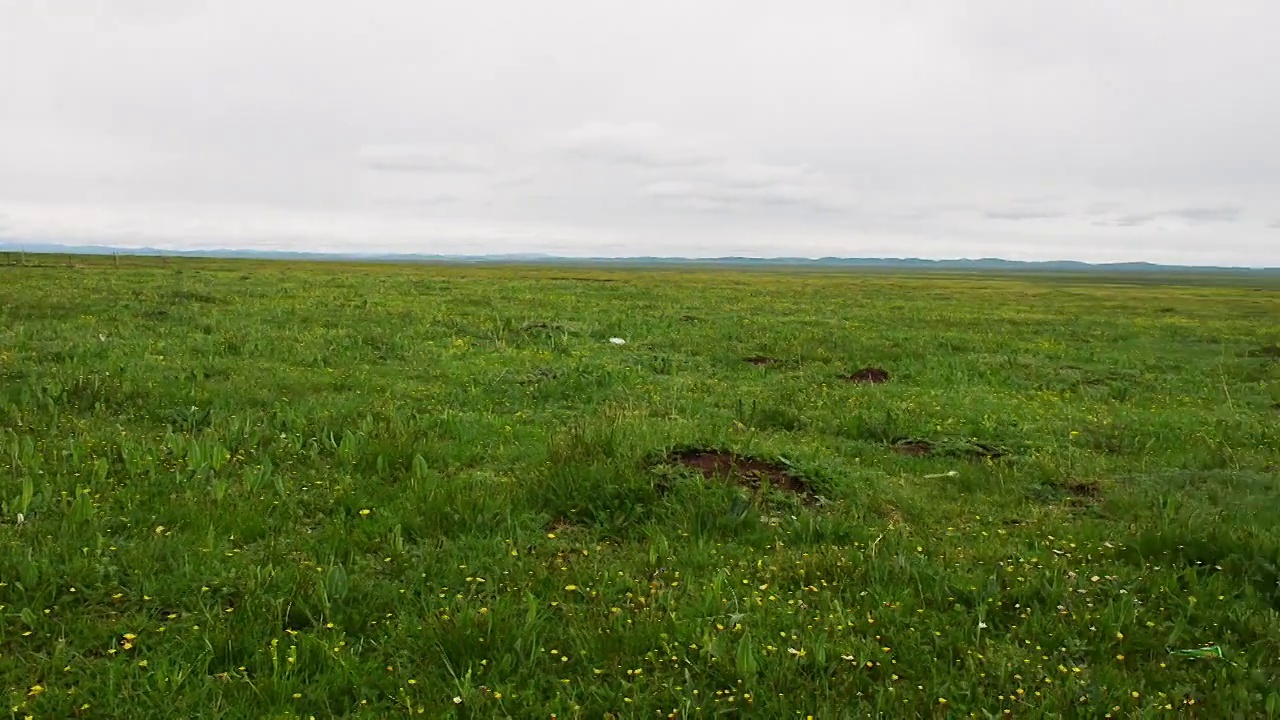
x=949, y=473
x=617, y=341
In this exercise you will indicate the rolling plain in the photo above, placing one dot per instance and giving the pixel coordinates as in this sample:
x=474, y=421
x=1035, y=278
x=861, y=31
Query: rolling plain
x=234, y=489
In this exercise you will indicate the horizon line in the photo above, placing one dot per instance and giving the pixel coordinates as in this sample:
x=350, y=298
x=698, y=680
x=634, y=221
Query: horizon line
x=45, y=247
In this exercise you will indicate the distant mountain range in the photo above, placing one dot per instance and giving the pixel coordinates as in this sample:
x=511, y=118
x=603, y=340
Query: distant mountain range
x=832, y=262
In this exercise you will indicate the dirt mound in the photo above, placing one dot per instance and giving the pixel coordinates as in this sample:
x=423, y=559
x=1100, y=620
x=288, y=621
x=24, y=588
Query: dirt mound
x=1083, y=490
x=747, y=472
x=534, y=327
x=761, y=360
x=967, y=450
x=868, y=375
x=183, y=297
x=913, y=447
x=1069, y=494
x=981, y=451
x=1073, y=495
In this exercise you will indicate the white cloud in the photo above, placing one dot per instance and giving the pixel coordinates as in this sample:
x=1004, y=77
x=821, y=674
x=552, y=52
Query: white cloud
x=1217, y=214
x=706, y=195
x=644, y=145
x=1017, y=214
x=1186, y=216
x=754, y=174
x=681, y=172
x=427, y=158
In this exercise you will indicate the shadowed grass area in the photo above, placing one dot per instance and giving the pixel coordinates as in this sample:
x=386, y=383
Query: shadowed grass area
x=256, y=489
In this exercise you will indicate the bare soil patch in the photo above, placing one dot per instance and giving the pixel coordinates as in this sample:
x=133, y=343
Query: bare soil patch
x=182, y=297
x=968, y=450
x=982, y=451
x=1081, y=494
x=761, y=360
x=913, y=447
x=560, y=524
x=748, y=472
x=1083, y=490
x=1267, y=351
x=1070, y=494
x=868, y=376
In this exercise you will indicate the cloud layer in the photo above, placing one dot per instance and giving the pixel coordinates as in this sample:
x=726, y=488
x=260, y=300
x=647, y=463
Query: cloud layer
x=1092, y=130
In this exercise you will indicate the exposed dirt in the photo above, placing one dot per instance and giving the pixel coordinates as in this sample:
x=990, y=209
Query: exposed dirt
x=1083, y=490
x=1071, y=495
x=916, y=447
x=559, y=525
x=913, y=447
x=982, y=451
x=181, y=297
x=748, y=472
x=868, y=375
x=584, y=279
x=1081, y=494
x=540, y=375
x=761, y=360
x=548, y=328
x=890, y=512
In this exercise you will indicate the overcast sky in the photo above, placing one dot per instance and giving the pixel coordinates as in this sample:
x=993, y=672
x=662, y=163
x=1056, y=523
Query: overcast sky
x=1086, y=129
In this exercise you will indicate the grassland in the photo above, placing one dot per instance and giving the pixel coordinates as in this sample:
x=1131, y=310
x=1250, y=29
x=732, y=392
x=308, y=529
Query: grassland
x=249, y=489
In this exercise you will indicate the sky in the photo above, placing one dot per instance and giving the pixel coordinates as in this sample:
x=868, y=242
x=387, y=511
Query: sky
x=1085, y=129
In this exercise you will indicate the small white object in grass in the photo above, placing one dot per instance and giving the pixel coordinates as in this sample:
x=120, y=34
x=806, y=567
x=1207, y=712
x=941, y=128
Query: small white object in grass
x=617, y=341
x=949, y=473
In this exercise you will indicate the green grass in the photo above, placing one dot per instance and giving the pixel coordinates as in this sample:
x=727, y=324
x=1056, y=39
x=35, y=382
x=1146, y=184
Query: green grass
x=254, y=489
